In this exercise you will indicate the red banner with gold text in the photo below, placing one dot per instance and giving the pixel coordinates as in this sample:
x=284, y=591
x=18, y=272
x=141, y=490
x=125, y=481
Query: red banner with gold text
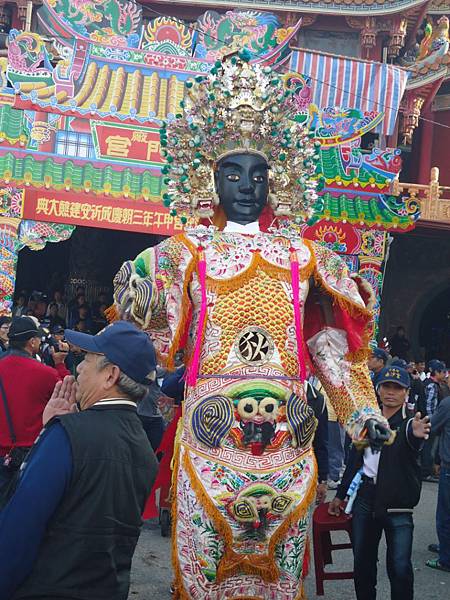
x=99, y=211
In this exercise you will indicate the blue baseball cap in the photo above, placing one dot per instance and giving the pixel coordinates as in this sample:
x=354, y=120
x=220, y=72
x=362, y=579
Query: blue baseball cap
x=399, y=362
x=436, y=365
x=394, y=374
x=381, y=354
x=124, y=345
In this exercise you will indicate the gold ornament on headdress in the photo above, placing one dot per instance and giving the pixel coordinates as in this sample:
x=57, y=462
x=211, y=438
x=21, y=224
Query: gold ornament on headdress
x=238, y=107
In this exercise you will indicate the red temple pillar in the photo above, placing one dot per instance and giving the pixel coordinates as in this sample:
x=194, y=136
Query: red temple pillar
x=426, y=148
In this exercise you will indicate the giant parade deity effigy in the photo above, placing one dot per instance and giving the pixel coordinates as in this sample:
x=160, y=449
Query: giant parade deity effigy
x=257, y=310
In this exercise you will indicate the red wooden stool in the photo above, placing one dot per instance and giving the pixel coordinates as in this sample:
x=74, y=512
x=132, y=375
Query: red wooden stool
x=323, y=523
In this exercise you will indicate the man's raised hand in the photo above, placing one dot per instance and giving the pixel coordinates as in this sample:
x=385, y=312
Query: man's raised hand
x=58, y=356
x=421, y=427
x=62, y=400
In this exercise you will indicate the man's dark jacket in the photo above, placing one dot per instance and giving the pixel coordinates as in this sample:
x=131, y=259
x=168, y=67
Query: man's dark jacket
x=90, y=540
x=398, y=482
x=417, y=396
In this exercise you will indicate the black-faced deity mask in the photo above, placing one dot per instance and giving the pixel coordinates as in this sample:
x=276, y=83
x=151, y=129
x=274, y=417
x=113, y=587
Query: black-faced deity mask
x=243, y=186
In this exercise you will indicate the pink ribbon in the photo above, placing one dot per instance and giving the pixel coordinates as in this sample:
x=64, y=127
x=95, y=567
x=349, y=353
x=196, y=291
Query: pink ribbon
x=192, y=376
x=295, y=278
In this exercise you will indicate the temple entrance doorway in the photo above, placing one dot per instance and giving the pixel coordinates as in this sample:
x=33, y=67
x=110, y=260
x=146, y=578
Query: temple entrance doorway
x=416, y=291
x=434, y=329
x=89, y=258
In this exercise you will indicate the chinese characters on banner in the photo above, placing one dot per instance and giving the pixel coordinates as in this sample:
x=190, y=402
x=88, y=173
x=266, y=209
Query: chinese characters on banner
x=127, y=143
x=106, y=213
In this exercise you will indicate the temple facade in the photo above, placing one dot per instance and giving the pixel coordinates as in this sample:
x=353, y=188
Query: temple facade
x=84, y=87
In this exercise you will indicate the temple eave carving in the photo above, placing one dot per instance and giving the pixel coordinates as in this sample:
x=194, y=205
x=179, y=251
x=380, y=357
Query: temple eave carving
x=344, y=7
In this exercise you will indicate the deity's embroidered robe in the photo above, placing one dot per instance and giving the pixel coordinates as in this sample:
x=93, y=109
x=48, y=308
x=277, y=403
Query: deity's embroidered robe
x=249, y=309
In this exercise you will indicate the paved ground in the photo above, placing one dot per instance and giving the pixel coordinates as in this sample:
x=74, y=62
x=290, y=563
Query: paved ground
x=152, y=573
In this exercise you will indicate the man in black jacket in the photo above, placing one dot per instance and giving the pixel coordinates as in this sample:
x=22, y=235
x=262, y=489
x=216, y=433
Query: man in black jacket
x=71, y=527
x=433, y=395
x=389, y=489
x=440, y=424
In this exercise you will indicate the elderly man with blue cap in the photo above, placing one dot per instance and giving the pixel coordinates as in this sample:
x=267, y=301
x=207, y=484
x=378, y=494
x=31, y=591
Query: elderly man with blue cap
x=70, y=528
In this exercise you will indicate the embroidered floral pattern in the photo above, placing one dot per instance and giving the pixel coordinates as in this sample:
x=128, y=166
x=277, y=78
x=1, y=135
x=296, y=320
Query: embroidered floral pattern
x=230, y=254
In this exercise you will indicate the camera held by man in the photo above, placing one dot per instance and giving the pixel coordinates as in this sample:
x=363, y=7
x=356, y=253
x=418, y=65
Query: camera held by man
x=53, y=342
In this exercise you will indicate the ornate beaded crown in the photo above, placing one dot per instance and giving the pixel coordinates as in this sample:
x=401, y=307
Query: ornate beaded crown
x=238, y=107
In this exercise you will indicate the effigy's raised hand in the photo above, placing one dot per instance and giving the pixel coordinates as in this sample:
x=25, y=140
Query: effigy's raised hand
x=62, y=401
x=377, y=434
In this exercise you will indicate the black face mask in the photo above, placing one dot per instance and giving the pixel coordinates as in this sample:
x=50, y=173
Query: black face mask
x=243, y=186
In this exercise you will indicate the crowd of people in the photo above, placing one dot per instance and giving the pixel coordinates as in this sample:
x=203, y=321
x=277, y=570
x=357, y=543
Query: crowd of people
x=383, y=489
x=52, y=315
x=55, y=311
x=383, y=486
x=429, y=385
